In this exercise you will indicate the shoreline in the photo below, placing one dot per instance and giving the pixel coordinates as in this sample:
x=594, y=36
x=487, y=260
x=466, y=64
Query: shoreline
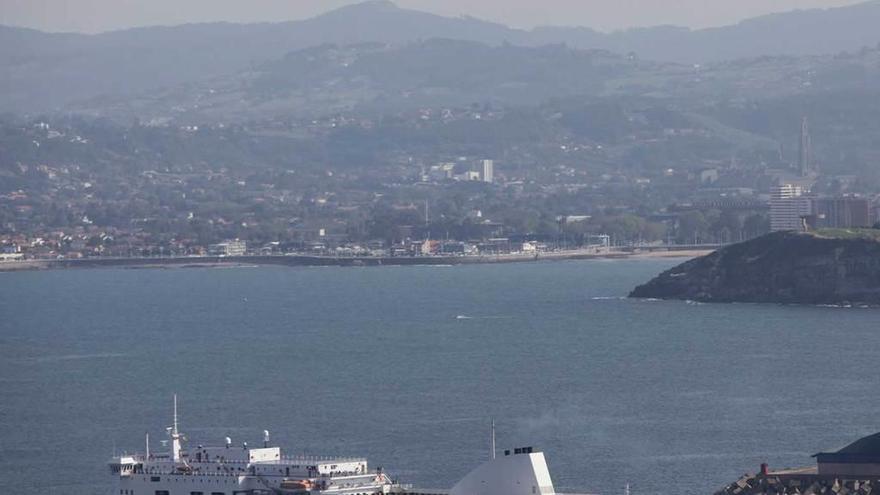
x=305, y=260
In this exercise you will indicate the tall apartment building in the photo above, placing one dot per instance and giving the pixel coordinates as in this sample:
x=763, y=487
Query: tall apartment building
x=487, y=170
x=788, y=208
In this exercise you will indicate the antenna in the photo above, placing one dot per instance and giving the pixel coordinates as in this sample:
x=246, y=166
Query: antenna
x=175, y=436
x=626, y=489
x=265, y=438
x=147, y=454
x=492, y=439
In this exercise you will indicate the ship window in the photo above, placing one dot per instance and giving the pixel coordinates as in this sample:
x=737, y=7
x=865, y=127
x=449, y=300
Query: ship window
x=161, y=492
x=154, y=478
x=196, y=493
x=217, y=493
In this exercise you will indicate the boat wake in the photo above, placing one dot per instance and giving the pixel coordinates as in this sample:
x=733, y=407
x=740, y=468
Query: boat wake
x=76, y=357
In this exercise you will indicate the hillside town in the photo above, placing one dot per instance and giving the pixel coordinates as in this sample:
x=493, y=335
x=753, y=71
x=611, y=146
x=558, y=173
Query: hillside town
x=413, y=205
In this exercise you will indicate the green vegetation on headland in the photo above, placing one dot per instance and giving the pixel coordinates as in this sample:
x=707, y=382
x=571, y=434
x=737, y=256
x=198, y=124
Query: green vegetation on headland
x=827, y=267
x=872, y=234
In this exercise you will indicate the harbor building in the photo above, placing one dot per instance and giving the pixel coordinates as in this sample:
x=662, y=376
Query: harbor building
x=860, y=458
x=854, y=469
x=789, y=206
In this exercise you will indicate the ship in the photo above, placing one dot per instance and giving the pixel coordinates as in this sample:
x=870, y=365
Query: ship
x=230, y=469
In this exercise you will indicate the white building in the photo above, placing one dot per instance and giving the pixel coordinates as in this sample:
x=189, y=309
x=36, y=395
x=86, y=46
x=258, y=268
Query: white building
x=788, y=206
x=441, y=172
x=469, y=176
x=228, y=248
x=487, y=171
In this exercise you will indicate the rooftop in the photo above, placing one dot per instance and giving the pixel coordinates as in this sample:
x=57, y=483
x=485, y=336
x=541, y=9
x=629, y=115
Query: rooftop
x=866, y=449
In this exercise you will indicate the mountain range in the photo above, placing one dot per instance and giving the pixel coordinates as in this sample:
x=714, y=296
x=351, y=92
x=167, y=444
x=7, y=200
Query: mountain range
x=49, y=71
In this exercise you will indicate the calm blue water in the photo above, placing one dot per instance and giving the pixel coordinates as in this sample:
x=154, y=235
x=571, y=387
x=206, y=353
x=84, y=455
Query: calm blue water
x=667, y=396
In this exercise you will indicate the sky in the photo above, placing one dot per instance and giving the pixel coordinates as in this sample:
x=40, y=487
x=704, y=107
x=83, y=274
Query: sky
x=606, y=15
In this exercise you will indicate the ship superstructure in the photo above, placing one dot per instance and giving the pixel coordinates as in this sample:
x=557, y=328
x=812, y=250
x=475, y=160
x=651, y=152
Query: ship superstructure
x=242, y=470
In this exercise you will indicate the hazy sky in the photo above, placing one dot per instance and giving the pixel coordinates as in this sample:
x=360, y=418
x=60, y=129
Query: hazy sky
x=102, y=15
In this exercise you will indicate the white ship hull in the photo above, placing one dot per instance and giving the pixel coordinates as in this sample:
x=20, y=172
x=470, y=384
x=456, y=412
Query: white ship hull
x=240, y=470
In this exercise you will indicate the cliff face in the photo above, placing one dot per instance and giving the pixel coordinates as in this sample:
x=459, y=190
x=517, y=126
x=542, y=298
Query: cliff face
x=782, y=267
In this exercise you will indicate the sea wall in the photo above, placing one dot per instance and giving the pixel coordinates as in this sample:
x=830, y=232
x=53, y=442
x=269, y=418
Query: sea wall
x=306, y=260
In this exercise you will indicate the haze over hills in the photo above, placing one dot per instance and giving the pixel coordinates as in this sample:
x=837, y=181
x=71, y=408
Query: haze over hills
x=45, y=71
x=373, y=102
x=376, y=79
x=800, y=32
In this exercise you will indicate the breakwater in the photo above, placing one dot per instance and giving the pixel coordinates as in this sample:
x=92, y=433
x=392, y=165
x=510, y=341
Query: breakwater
x=801, y=484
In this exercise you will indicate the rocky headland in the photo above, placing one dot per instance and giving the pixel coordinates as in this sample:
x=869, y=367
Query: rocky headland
x=826, y=267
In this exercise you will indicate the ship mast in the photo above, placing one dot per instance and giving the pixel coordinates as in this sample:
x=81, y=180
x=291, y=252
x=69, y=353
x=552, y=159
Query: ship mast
x=492, y=440
x=175, y=436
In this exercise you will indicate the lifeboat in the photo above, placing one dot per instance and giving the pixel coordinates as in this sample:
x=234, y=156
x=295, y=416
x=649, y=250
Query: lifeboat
x=297, y=485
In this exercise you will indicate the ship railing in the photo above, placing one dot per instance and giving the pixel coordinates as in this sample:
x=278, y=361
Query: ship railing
x=288, y=461
x=305, y=458
x=167, y=472
x=319, y=459
x=343, y=482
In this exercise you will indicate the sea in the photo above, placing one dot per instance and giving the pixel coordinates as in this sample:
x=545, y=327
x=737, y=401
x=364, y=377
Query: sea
x=409, y=366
